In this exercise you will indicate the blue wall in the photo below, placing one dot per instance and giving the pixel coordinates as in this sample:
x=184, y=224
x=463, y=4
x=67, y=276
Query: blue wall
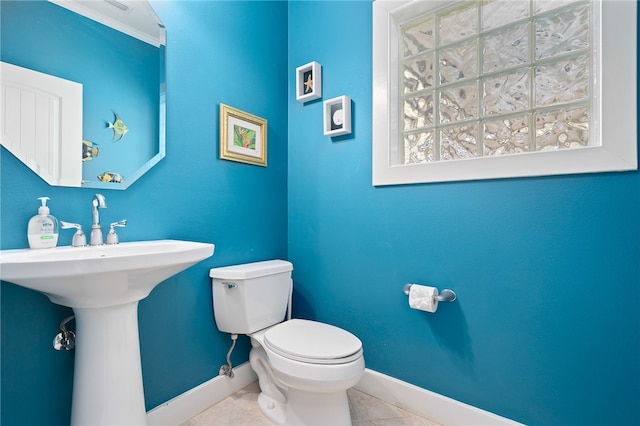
x=546, y=329
x=547, y=270
x=216, y=52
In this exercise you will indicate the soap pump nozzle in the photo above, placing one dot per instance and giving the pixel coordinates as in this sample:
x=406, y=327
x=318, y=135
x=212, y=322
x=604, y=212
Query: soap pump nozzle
x=43, y=209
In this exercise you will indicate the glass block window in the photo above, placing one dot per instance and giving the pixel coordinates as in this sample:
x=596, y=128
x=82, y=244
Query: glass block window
x=487, y=89
x=495, y=78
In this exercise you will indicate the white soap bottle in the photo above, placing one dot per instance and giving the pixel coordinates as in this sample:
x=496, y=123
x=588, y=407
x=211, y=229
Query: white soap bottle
x=42, y=231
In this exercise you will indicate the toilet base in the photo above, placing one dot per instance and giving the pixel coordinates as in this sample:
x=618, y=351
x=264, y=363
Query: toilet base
x=307, y=408
x=298, y=393
x=272, y=409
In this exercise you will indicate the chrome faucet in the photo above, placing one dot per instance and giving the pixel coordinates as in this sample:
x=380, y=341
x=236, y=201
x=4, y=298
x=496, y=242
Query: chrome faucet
x=112, y=237
x=96, y=232
x=79, y=239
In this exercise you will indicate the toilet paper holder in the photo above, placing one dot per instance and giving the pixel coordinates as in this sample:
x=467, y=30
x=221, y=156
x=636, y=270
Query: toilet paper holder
x=445, y=295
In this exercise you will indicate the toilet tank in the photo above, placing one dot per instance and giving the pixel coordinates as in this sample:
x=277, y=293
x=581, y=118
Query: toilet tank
x=250, y=296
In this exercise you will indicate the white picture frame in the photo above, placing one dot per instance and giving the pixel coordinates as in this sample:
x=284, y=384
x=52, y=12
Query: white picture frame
x=337, y=116
x=309, y=82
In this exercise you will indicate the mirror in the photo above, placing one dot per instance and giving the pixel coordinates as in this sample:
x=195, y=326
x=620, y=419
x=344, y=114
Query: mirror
x=116, y=50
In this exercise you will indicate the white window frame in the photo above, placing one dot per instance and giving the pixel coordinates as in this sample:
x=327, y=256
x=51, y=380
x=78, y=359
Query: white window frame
x=615, y=104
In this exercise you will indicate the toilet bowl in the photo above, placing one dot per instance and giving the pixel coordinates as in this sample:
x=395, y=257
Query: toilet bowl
x=304, y=367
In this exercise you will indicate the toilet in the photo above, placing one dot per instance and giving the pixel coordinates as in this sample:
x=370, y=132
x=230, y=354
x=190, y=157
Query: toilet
x=304, y=367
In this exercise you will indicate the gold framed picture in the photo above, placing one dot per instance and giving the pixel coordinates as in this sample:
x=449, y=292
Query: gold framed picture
x=243, y=137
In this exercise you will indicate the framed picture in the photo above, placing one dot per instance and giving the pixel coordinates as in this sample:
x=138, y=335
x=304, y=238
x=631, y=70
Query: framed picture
x=309, y=82
x=243, y=136
x=337, y=116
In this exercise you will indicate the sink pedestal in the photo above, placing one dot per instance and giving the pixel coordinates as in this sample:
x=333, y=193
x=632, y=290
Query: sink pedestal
x=107, y=385
x=103, y=285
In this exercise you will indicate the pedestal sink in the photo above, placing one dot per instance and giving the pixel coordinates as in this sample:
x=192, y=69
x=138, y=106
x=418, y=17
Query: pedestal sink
x=103, y=285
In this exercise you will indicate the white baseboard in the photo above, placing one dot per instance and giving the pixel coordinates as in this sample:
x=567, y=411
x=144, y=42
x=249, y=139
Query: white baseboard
x=427, y=404
x=422, y=402
x=196, y=400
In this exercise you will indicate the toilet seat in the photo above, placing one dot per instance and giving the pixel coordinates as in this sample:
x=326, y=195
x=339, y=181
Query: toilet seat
x=313, y=342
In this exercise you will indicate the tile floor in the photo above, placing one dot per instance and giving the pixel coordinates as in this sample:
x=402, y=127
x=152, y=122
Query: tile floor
x=241, y=408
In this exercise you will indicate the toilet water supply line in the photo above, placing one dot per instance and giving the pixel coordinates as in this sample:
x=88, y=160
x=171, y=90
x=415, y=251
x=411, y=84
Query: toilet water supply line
x=227, y=369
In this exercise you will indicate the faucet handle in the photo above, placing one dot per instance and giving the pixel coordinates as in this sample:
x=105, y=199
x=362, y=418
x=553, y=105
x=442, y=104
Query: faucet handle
x=79, y=239
x=112, y=237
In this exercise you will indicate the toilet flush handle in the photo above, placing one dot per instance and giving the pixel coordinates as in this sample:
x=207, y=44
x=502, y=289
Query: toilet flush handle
x=230, y=285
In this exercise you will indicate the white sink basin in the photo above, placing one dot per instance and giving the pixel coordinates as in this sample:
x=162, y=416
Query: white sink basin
x=103, y=285
x=86, y=277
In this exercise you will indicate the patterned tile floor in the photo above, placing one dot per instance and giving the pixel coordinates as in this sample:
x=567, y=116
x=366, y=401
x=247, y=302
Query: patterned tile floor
x=241, y=408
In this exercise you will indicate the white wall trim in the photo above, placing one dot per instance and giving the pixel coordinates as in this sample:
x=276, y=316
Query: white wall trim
x=427, y=404
x=422, y=402
x=196, y=400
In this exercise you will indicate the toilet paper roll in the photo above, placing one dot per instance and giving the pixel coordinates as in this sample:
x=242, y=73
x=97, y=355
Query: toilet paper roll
x=423, y=297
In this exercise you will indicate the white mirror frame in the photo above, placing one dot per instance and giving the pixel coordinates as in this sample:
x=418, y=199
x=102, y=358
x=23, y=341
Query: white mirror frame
x=616, y=103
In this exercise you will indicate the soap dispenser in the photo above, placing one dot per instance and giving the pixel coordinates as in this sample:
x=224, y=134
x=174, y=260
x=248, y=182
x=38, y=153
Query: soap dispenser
x=42, y=231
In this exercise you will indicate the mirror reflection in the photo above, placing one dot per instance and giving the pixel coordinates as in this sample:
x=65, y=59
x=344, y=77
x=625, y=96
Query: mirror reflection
x=121, y=72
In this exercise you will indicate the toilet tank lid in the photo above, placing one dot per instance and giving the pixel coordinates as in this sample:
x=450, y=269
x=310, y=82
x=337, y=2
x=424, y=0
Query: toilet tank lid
x=251, y=270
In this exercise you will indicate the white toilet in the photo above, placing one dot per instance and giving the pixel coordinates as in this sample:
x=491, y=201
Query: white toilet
x=304, y=367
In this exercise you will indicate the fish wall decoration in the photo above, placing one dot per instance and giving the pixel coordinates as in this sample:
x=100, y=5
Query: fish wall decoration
x=90, y=150
x=119, y=128
x=111, y=177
